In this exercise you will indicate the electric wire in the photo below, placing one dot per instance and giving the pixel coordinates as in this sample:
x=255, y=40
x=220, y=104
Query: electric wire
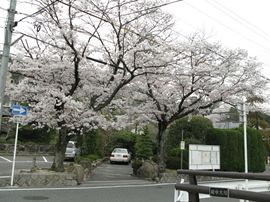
x=243, y=19
x=247, y=26
x=39, y=11
x=220, y=55
x=4, y=9
x=154, y=7
x=158, y=6
x=226, y=26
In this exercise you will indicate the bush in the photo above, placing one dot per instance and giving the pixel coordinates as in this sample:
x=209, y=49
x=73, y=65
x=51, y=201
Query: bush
x=90, y=157
x=136, y=164
x=173, y=160
x=231, y=143
x=195, y=130
x=123, y=139
x=43, y=135
x=94, y=143
x=144, y=146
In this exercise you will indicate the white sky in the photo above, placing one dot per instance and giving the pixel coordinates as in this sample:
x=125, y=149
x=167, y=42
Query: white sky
x=235, y=23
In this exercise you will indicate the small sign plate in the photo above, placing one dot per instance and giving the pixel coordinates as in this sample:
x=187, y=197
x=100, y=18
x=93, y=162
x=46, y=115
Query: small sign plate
x=219, y=192
x=182, y=145
x=18, y=110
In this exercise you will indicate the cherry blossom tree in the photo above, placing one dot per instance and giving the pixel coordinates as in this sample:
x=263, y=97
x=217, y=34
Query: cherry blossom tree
x=80, y=54
x=202, y=75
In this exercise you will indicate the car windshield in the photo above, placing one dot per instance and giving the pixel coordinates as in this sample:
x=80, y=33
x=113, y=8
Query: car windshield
x=117, y=150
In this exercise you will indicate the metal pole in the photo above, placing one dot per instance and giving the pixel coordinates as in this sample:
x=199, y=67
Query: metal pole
x=245, y=137
x=245, y=143
x=6, y=51
x=14, y=155
x=182, y=150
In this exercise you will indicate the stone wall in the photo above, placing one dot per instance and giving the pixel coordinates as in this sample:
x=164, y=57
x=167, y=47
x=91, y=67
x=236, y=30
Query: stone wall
x=27, y=149
x=74, y=174
x=44, y=179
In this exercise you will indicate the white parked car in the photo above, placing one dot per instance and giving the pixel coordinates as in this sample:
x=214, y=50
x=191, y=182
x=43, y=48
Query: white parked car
x=71, y=151
x=120, y=155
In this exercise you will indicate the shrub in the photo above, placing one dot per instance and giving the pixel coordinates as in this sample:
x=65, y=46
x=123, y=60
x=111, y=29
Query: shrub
x=173, y=160
x=90, y=157
x=136, y=164
x=94, y=142
x=125, y=139
x=231, y=143
x=193, y=130
x=143, y=147
x=43, y=135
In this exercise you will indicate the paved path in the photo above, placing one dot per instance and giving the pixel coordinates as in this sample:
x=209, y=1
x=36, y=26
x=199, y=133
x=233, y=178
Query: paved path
x=114, y=175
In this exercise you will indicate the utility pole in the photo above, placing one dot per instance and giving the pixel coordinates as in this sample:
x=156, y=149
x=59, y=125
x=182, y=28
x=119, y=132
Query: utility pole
x=243, y=118
x=6, y=51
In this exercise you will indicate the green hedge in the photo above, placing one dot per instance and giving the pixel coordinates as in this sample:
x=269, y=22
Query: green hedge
x=173, y=160
x=232, y=149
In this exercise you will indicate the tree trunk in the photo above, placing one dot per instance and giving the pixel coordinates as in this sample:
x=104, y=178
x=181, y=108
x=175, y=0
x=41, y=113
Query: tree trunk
x=161, y=146
x=60, y=149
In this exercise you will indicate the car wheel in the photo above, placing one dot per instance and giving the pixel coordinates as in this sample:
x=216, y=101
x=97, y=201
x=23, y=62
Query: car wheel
x=111, y=162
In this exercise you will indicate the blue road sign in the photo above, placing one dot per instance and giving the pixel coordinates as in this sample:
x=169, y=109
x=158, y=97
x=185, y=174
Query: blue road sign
x=18, y=110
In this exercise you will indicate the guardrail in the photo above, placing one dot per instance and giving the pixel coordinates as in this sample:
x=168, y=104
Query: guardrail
x=194, y=189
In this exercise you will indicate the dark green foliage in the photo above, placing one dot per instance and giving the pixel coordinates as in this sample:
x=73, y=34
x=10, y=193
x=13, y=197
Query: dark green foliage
x=95, y=143
x=231, y=150
x=136, y=164
x=231, y=143
x=40, y=135
x=256, y=151
x=90, y=157
x=195, y=131
x=124, y=139
x=173, y=160
x=199, y=126
x=144, y=146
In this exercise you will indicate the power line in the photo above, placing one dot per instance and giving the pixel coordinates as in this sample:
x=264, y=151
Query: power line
x=4, y=9
x=154, y=7
x=247, y=25
x=243, y=19
x=219, y=54
x=38, y=12
x=226, y=26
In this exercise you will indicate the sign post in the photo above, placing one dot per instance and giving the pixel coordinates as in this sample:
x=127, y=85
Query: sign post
x=182, y=147
x=17, y=111
x=14, y=154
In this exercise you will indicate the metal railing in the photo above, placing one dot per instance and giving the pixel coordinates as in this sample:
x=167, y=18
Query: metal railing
x=194, y=189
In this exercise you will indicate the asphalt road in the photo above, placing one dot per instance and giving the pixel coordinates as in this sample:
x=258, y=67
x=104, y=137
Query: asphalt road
x=136, y=193
x=22, y=162
x=110, y=182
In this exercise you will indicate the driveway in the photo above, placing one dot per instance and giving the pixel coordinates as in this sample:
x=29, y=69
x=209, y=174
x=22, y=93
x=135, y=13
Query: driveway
x=114, y=174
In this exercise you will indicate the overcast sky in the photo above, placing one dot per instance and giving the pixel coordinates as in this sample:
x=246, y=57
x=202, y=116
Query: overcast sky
x=235, y=23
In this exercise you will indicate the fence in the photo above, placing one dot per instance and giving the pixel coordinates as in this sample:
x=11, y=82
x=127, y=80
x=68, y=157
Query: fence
x=194, y=189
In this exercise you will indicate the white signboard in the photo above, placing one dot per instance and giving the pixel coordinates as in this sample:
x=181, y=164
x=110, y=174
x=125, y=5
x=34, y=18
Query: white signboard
x=204, y=157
